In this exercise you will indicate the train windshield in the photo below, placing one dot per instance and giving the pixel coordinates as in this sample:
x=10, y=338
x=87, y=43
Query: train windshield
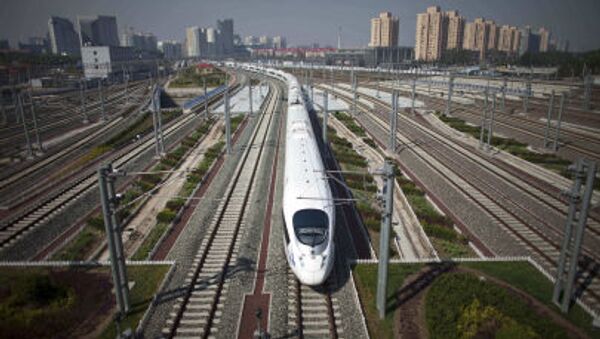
x=311, y=226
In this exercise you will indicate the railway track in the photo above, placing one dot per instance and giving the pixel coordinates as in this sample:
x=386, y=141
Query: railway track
x=198, y=313
x=60, y=119
x=36, y=215
x=313, y=312
x=579, y=142
x=529, y=228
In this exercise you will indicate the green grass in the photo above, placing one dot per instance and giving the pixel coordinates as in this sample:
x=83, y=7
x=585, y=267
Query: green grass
x=439, y=228
x=527, y=278
x=148, y=245
x=83, y=244
x=366, y=283
x=549, y=161
x=147, y=280
x=349, y=122
x=460, y=304
x=189, y=78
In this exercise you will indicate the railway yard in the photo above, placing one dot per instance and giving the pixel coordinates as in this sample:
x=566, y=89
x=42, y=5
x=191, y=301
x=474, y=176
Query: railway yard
x=200, y=221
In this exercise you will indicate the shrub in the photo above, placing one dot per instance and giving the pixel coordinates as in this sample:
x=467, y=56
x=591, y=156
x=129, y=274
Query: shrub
x=96, y=222
x=166, y=216
x=175, y=204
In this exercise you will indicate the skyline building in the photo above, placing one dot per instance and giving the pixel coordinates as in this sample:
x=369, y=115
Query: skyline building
x=384, y=30
x=225, y=28
x=64, y=40
x=171, y=49
x=430, y=32
x=98, y=30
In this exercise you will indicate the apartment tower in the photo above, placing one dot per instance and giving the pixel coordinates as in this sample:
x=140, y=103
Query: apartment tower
x=384, y=30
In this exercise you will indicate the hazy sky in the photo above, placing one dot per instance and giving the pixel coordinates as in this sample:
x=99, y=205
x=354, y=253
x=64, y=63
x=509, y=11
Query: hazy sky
x=304, y=21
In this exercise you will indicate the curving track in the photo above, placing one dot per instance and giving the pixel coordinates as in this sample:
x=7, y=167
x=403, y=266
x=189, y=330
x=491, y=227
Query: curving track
x=528, y=211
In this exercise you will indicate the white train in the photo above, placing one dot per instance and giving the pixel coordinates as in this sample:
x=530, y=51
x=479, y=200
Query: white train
x=308, y=208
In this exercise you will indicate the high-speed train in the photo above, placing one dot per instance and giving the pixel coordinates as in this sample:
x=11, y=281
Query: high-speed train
x=308, y=208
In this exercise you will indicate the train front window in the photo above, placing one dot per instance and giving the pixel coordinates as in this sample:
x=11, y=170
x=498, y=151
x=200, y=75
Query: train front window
x=311, y=226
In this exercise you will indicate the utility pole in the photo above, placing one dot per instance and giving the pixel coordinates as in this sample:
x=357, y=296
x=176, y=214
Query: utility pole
x=413, y=94
x=250, y=95
x=227, y=122
x=491, y=124
x=113, y=233
x=384, y=242
x=484, y=122
x=205, y=98
x=325, y=113
x=354, y=95
x=82, y=90
x=35, y=127
x=587, y=91
x=378, y=82
x=549, y=119
x=19, y=107
x=560, y=113
x=393, y=122
x=450, y=89
x=102, y=100
x=157, y=122
x=504, y=88
x=126, y=78
x=527, y=95
x=574, y=229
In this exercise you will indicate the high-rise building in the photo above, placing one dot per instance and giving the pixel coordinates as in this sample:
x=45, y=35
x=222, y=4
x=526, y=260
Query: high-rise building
x=193, y=41
x=456, y=30
x=509, y=39
x=493, y=32
x=170, y=49
x=265, y=42
x=430, y=32
x=384, y=30
x=100, y=30
x=250, y=40
x=479, y=36
x=544, y=39
x=279, y=42
x=213, y=44
x=225, y=28
x=63, y=37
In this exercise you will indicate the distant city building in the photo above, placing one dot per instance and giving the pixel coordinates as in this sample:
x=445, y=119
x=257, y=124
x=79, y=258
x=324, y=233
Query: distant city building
x=4, y=44
x=193, y=40
x=545, y=36
x=509, y=39
x=456, y=30
x=437, y=32
x=430, y=33
x=100, y=30
x=213, y=45
x=171, y=49
x=384, y=30
x=225, y=28
x=63, y=37
x=112, y=61
x=35, y=45
x=265, y=42
x=144, y=41
x=279, y=42
x=250, y=41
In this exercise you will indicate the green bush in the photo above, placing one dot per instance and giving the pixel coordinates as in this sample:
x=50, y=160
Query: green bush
x=166, y=216
x=460, y=304
x=96, y=222
x=175, y=204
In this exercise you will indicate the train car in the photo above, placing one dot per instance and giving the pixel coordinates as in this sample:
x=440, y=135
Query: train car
x=308, y=208
x=190, y=105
